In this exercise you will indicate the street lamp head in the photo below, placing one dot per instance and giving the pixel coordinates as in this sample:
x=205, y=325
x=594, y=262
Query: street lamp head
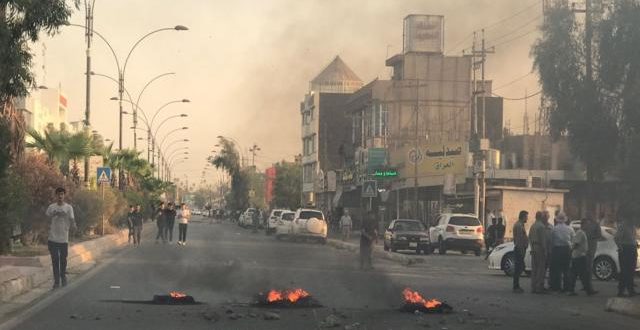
x=125, y=113
x=186, y=100
x=184, y=115
x=181, y=28
x=186, y=140
x=114, y=98
x=185, y=127
x=43, y=87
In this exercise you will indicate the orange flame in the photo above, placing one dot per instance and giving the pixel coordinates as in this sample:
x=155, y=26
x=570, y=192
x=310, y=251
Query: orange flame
x=414, y=297
x=177, y=295
x=290, y=295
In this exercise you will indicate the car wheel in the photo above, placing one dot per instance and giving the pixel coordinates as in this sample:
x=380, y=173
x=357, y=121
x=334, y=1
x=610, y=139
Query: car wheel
x=477, y=252
x=604, y=268
x=463, y=251
x=418, y=251
x=323, y=241
x=508, y=264
x=428, y=250
x=442, y=248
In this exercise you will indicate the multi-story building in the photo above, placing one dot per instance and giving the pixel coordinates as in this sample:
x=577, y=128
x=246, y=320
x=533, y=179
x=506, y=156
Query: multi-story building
x=44, y=108
x=326, y=130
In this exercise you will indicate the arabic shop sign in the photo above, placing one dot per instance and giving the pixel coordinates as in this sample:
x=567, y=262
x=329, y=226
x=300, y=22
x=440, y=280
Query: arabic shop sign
x=386, y=173
x=432, y=159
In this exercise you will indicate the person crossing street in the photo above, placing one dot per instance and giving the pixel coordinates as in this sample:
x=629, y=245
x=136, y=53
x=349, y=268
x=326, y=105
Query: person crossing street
x=62, y=221
x=183, y=216
x=521, y=242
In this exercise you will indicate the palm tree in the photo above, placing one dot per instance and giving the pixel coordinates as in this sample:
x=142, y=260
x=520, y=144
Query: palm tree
x=79, y=145
x=53, y=143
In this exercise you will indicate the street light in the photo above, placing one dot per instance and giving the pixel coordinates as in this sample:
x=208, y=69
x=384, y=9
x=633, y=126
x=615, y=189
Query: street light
x=121, y=73
x=162, y=144
x=239, y=147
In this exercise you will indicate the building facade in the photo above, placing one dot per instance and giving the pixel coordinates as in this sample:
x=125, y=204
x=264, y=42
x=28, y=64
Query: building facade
x=325, y=130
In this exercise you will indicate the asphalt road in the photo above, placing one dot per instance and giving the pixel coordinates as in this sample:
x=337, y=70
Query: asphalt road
x=224, y=266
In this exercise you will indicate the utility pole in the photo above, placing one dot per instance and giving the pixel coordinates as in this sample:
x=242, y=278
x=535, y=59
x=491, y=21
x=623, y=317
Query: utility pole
x=418, y=154
x=482, y=144
x=87, y=114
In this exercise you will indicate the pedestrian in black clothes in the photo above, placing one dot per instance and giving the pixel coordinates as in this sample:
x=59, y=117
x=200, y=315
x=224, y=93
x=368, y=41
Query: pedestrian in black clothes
x=130, y=222
x=170, y=220
x=161, y=223
x=137, y=221
x=490, y=239
x=520, y=242
x=626, y=241
x=368, y=235
x=500, y=231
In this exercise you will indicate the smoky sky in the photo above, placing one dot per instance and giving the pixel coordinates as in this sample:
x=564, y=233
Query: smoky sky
x=246, y=65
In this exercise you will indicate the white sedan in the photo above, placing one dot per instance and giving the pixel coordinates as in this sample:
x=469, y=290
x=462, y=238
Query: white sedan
x=605, y=264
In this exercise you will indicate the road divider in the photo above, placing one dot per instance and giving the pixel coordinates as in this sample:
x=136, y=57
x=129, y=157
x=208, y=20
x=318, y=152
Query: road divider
x=378, y=252
x=625, y=306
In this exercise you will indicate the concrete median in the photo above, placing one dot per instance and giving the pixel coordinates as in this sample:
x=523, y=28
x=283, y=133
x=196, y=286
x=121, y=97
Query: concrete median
x=625, y=306
x=378, y=252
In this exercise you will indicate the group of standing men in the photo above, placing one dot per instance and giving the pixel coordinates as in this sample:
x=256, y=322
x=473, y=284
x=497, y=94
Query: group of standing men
x=568, y=254
x=166, y=217
x=134, y=221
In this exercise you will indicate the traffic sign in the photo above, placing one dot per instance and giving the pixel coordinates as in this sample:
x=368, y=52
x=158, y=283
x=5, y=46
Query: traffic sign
x=370, y=189
x=104, y=175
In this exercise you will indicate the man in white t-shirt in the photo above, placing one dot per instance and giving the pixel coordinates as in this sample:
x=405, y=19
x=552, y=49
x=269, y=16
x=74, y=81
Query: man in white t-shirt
x=183, y=215
x=62, y=220
x=346, y=225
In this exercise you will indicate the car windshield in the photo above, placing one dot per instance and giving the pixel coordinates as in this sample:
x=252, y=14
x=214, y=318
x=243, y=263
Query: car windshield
x=311, y=214
x=464, y=221
x=409, y=226
x=277, y=213
x=288, y=216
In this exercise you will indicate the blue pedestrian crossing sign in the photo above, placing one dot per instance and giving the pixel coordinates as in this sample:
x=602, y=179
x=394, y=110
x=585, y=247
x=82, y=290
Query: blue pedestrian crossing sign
x=370, y=189
x=104, y=175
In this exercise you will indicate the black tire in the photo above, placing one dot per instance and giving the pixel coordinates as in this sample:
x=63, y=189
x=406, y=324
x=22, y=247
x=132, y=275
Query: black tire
x=508, y=264
x=604, y=268
x=463, y=251
x=427, y=250
x=477, y=252
x=418, y=251
x=323, y=241
x=442, y=248
x=385, y=247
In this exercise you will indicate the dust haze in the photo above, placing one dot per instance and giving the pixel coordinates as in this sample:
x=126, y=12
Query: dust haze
x=246, y=65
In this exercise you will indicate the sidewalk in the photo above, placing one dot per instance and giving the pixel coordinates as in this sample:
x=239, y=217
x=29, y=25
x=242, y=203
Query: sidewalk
x=353, y=245
x=19, y=275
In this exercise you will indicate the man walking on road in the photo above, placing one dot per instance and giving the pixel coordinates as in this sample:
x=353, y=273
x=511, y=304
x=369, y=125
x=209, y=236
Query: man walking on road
x=520, y=242
x=580, y=246
x=137, y=221
x=346, y=225
x=625, y=239
x=170, y=221
x=161, y=223
x=368, y=235
x=184, y=214
x=62, y=220
x=538, y=240
x=561, y=254
x=132, y=210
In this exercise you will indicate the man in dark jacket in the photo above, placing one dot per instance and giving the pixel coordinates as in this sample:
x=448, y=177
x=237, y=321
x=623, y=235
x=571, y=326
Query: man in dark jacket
x=160, y=222
x=170, y=220
x=368, y=235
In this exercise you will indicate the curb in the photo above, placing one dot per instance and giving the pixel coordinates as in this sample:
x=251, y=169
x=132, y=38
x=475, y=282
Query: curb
x=624, y=306
x=21, y=278
x=400, y=258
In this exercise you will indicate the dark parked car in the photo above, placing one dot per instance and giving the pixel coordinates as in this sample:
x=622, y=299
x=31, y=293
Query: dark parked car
x=405, y=234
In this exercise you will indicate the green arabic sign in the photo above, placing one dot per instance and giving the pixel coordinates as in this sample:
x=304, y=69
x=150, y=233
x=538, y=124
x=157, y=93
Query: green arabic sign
x=385, y=173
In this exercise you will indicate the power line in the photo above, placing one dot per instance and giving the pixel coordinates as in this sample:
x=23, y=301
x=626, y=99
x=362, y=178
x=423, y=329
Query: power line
x=519, y=99
x=515, y=38
x=494, y=24
x=535, y=19
x=513, y=81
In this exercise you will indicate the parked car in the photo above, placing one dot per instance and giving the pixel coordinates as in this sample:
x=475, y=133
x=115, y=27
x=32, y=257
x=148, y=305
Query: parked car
x=309, y=223
x=457, y=231
x=272, y=221
x=605, y=264
x=405, y=234
x=246, y=218
x=284, y=224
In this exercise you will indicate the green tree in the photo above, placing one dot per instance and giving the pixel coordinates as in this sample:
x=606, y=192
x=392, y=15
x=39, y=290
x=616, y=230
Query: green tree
x=22, y=22
x=228, y=159
x=576, y=100
x=288, y=185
